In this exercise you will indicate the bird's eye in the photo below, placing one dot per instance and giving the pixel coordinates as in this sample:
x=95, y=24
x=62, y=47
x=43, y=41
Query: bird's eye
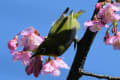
x=43, y=50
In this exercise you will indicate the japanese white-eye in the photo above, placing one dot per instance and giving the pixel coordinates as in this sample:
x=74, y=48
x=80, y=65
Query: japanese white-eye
x=61, y=35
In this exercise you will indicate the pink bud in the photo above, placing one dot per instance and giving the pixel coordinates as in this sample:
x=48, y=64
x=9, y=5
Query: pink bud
x=12, y=44
x=114, y=29
x=106, y=36
x=99, y=5
x=29, y=69
x=34, y=66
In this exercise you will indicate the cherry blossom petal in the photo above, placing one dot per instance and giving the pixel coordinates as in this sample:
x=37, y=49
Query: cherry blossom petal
x=116, y=43
x=22, y=41
x=23, y=56
x=115, y=6
x=94, y=25
x=114, y=40
x=48, y=68
x=56, y=72
x=60, y=63
x=28, y=31
x=30, y=42
x=109, y=40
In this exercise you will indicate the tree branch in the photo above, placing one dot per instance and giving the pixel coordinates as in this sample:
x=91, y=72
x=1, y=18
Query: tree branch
x=99, y=76
x=83, y=47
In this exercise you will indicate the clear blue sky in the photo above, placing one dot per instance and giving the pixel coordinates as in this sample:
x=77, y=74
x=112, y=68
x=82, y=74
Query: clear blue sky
x=16, y=15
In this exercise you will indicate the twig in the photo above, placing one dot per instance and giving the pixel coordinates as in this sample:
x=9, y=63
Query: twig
x=83, y=47
x=99, y=76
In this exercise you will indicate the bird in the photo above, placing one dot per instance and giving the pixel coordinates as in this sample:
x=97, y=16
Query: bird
x=61, y=35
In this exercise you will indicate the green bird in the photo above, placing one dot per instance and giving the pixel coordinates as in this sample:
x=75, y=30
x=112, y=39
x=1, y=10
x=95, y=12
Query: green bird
x=60, y=36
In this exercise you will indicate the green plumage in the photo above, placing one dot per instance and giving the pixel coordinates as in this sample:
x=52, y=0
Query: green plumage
x=61, y=35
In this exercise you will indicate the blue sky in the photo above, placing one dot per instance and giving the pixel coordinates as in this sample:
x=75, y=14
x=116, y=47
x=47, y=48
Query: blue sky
x=16, y=15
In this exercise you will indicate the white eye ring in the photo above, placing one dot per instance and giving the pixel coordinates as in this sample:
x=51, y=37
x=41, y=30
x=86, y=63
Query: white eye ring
x=43, y=50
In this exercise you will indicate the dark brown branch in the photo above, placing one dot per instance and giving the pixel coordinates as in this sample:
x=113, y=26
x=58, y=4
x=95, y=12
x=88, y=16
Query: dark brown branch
x=83, y=47
x=99, y=76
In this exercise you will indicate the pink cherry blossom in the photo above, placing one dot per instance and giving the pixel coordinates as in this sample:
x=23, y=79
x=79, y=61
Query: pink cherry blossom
x=52, y=66
x=115, y=6
x=94, y=25
x=109, y=40
x=12, y=44
x=116, y=43
x=23, y=56
x=35, y=66
x=30, y=42
x=56, y=72
x=60, y=63
x=114, y=40
x=30, y=39
x=28, y=31
x=108, y=13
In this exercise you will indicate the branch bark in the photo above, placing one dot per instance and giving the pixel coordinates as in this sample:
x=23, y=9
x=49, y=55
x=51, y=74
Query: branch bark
x=99, y=76
x=83, y=47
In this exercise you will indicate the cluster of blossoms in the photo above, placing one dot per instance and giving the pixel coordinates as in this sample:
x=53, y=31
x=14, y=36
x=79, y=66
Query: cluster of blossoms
x=107, y=14
x=29, y=39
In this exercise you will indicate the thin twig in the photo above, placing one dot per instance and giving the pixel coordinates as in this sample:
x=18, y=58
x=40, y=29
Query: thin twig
x=99, y=76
